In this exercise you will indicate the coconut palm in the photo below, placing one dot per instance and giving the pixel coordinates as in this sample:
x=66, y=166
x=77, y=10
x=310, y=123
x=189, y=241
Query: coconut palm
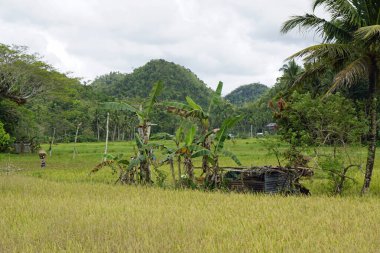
x=291, y=70
x=351, y=47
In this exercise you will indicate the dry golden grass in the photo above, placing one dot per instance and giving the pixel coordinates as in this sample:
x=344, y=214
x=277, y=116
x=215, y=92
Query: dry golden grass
x=38, y=215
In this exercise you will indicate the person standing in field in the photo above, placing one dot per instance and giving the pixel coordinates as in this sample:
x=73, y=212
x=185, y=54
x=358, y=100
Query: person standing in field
x=42, y=155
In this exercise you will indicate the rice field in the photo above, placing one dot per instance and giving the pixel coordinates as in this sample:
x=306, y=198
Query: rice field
x=64, y=209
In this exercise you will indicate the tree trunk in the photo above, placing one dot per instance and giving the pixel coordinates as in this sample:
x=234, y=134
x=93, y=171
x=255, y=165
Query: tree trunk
x=189, y=168
x=206, y=169
x=172, y=171
x=372, y=130
x=179, y=169
x=144, y=132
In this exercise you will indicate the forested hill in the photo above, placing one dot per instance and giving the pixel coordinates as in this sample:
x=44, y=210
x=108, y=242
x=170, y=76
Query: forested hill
x=246, y=93
x=179, y=82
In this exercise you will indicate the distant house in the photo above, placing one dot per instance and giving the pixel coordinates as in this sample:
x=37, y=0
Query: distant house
x=22, y=147
x=271, y=127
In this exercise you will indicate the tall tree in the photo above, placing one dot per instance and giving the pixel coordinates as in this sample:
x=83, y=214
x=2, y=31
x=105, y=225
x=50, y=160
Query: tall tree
x=351, y=47
x=291, y=71
x=22, y=75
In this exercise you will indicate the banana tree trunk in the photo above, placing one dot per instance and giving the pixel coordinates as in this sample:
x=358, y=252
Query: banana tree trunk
x=172, y=172
x=215, y=176
x=179, y=168
x=372, y=130
x=144, y=132
x=205, y=166
x=189, y=168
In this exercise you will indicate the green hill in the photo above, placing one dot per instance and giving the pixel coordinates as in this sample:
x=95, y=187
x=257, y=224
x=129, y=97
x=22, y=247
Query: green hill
x=246, y=93
x=179, y=82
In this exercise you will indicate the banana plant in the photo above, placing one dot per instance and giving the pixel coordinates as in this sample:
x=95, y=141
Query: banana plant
x=177, y=138
x=213, y=178
x=192, y=110
x=136, y=169
x=143, y=113
x=188, y=151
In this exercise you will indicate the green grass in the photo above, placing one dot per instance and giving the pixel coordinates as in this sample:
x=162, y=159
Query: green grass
x=61, y=167
x=64, y=209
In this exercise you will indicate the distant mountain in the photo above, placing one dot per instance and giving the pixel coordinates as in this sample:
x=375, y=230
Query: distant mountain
x=179, y=82
x=246, y=93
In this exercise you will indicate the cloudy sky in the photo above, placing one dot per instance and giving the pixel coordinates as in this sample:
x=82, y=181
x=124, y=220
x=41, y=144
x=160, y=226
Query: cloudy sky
x=234, y=41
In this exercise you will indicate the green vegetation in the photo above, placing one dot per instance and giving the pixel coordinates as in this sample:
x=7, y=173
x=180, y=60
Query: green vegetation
x=64, y=207
x=4, y=138
x=351, y=49
x=184, y=136
x=246, y=93
x=61, y=167
x=179, y=83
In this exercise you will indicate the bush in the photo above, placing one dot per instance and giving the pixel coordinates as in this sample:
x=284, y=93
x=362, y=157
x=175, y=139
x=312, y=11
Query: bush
x=5, y=139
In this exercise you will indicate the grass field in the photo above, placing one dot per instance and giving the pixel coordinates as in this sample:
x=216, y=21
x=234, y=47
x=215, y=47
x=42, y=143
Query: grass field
x=64, y=209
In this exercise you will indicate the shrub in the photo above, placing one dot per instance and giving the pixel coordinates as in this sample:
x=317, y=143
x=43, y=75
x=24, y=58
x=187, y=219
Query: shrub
x=5, y=138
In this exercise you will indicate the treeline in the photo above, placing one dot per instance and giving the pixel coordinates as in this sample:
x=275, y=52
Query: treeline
x=39, y=103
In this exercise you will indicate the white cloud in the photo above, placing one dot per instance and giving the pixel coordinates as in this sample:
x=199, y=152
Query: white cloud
x=237, y=42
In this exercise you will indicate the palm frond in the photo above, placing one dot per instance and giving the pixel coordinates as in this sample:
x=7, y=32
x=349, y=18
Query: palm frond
x=351, y=74
x=326, y=51
x=316, y=69
x=368, y=34
x=328, y=30
x=341, y=8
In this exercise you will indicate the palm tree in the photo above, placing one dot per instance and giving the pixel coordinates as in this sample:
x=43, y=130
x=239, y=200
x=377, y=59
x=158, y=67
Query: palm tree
x=351, y=47
x=291, y=71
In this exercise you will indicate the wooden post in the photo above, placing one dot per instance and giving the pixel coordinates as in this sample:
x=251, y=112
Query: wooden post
x=52, y=142
x=97, y=127
x=106, y=148
x=75, y=140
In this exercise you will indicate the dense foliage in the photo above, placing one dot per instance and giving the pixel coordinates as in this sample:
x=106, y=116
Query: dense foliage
x=179, y=83
x=350, y=48
x=332, y=120
x=246, y=93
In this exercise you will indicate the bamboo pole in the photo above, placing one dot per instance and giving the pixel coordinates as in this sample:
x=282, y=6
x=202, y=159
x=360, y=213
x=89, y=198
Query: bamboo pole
x=106, y=148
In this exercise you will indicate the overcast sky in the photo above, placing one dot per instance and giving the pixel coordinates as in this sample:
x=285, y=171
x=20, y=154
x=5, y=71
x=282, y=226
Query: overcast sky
x=234, y=41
